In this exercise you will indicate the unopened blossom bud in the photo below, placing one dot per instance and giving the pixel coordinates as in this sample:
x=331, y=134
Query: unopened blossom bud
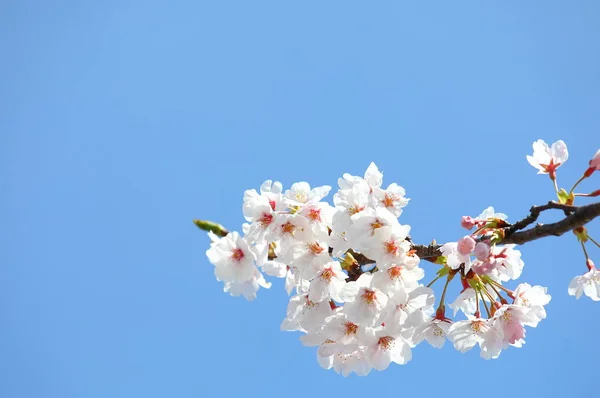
x=482, y=251
x=213, y=227
x=485, y=267
x=595, y=193
x=594, y=164
x=467, y=222
x=466, y=245
x=590, y=264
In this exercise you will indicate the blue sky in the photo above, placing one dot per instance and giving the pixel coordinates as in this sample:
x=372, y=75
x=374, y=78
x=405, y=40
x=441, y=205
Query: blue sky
x=124, y=120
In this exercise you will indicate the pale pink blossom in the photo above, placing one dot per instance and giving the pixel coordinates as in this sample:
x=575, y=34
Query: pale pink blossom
x=547, y=159
x=434, y=331
x=454, y=259
x=305, y=315
x=588, y=284
x=534, y=298
x=363, y=302
x=465, y=334
x=466, y=245
x=388, y=245
x=467, y=222
x=482, y=251
x=388, y=345
x=300, y=194
x=393, y=198
x=409, y=308
x=232, y=258
x=396, y=277
x=328, y=282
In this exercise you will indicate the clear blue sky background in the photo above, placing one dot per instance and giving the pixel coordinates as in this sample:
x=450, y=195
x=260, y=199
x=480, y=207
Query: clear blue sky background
x=121, y=121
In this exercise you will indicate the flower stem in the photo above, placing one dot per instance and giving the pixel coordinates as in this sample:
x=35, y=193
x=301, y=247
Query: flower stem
x=509, y=292
x=555, y=185
x=496, y=291
x=487, y=310
x=585, y=251
x=593, y=241
x=443, y=298
x=577, y=183
x=487, y=293
x=433, y=281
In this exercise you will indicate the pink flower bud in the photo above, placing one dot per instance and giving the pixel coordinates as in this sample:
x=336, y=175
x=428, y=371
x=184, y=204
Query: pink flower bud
x=485, y=267
x=590, y=264
x=466, y=245
x=595, y=162
x=467, y=222
x=482, y=251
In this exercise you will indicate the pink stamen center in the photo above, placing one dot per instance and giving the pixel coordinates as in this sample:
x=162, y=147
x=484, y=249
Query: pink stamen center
x=237, y=255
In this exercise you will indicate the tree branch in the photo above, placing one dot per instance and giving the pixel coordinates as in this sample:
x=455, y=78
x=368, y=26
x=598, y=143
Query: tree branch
x=534, y=213
x=576, y=216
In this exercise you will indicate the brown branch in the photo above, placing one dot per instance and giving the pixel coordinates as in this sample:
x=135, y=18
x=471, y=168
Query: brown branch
x=534, y=213
x=579, y=216
x=576, y=216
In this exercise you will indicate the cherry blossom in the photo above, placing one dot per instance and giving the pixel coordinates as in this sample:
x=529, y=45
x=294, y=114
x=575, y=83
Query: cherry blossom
x=547, y=159
x=588, y=284
x=233, y=259
x=465, y=334
x=363, y=302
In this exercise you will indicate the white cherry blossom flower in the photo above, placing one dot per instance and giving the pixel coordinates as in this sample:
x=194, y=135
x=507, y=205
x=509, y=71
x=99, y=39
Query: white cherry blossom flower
x=396, y=277
x=434, y=331
x=388, y=345
x=352, y=359
x=233, y=259
x=534, y=298
x=273, y=192
x=465, y=302
x=588, y=284
x=548, y=159
x=300, y=194
x=289, y=228
x=366, y=223
x=388, y=245
x=249, y=288
x=363, y=302
x=305, y=315
x=328, y=282
x=305, y=255
x=393, y=198
x=508, y=261
x=340, y=329
x=510, y=320
x=465, y=334
x=490, y=213
x=409, y=308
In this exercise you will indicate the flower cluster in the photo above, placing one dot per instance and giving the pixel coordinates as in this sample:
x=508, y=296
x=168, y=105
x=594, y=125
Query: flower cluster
x=365, y=315
x=354, y=274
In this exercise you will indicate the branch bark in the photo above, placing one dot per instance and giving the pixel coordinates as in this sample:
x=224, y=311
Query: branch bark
x=578, y=217
x=575, y=216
